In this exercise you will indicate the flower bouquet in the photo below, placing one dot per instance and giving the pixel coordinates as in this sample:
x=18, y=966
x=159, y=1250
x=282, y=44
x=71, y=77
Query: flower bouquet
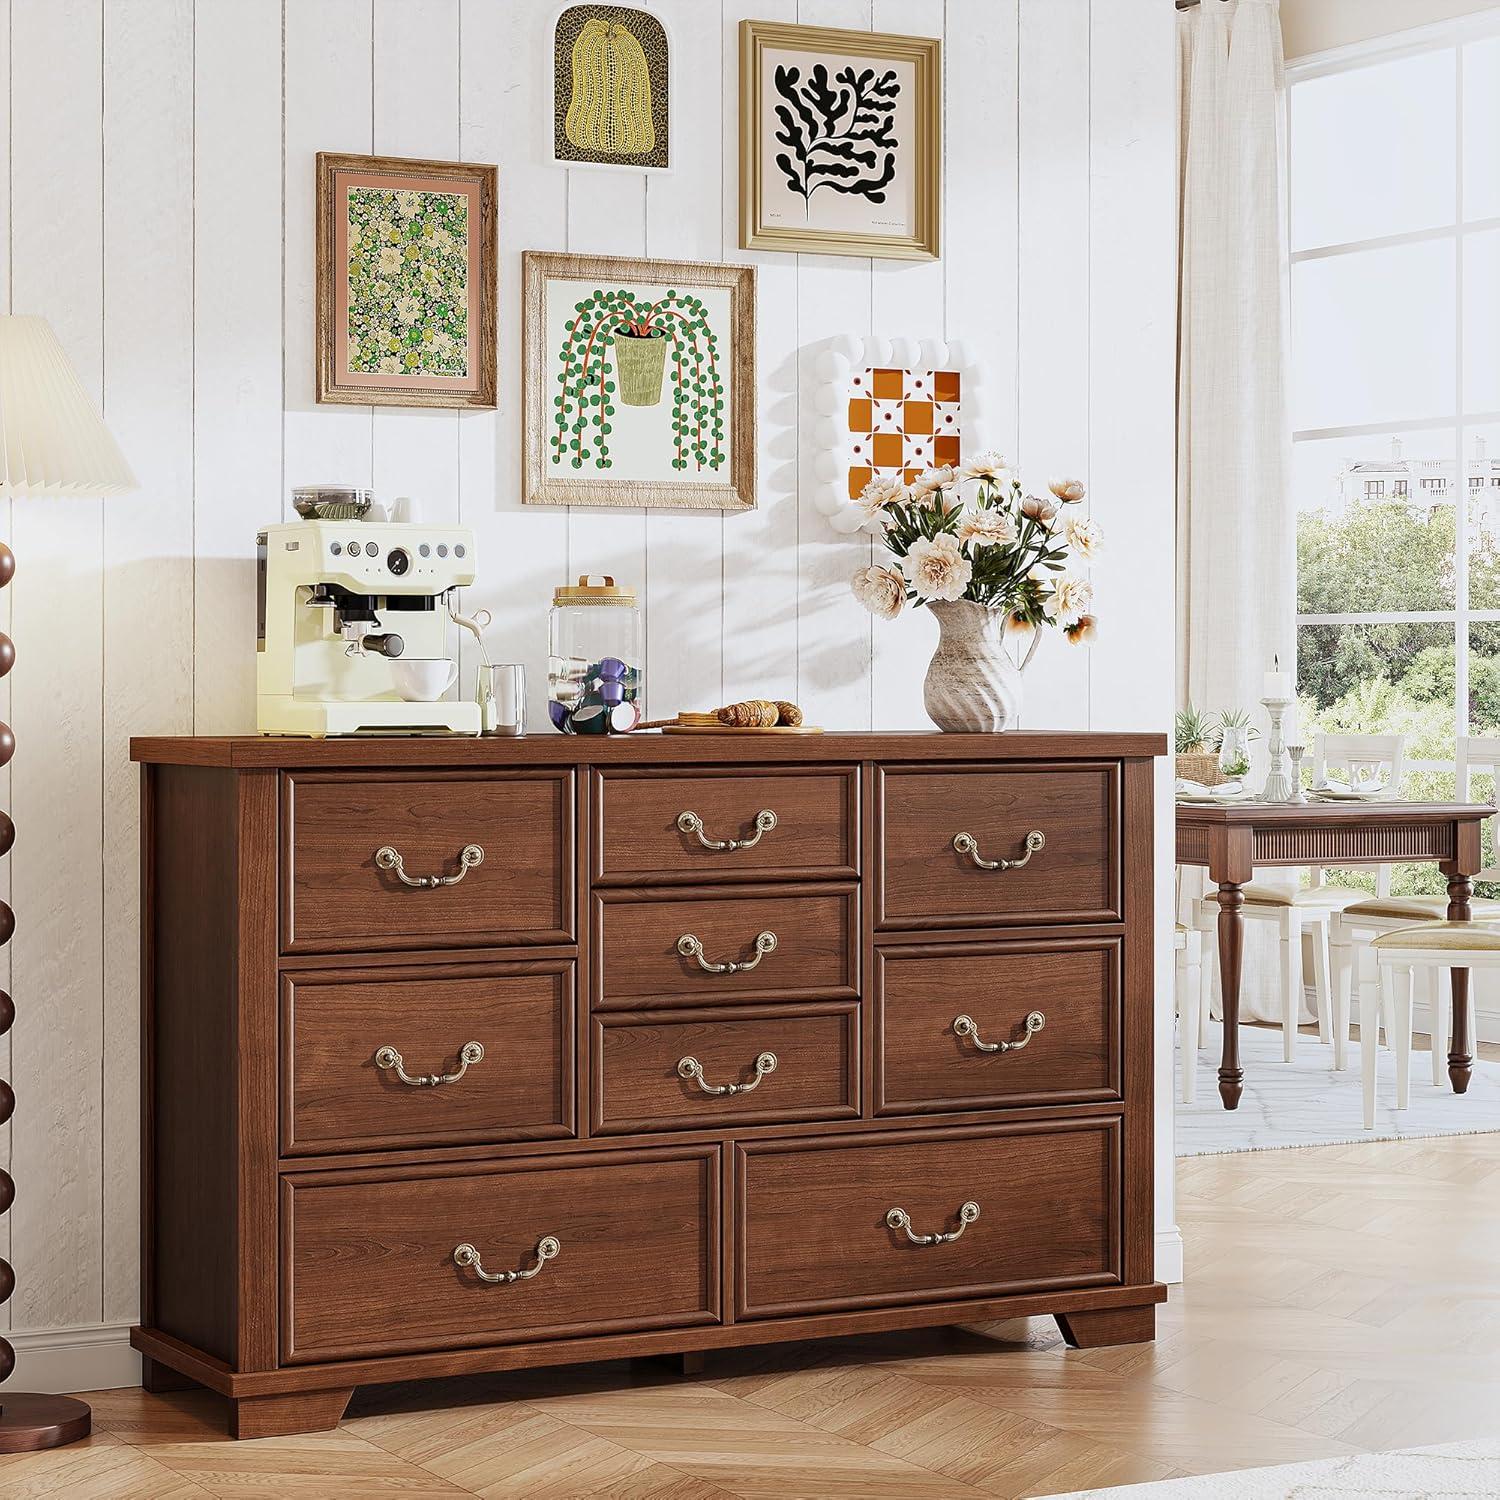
x=997, y=562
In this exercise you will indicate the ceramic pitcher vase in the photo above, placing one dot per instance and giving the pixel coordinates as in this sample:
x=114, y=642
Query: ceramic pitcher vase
x=973, y=683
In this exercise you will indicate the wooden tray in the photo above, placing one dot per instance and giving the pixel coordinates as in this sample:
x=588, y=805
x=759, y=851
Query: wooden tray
x=727, y=729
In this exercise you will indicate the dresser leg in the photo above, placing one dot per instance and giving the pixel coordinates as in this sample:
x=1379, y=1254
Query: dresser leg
x=157, y=1378
x=1108, y=1325
x=279, y=1416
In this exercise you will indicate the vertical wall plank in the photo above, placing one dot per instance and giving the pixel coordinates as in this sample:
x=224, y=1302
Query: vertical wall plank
x=7, y=1155
x=327, y=87
x=148, y=536
x=237, y=343
x=1054, y=322
x=416, y=114
x=58, y=964
x=685, y=221
x=522, y=550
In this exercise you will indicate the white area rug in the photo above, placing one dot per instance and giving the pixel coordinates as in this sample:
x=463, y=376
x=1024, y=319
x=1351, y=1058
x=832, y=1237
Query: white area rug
x=1415, y=1474
x=1305, y=1103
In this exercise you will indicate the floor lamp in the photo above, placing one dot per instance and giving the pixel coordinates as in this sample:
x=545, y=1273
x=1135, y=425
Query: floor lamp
x=53, y=445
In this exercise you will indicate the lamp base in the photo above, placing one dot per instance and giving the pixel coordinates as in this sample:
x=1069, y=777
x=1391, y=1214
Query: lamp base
x=29, y=1422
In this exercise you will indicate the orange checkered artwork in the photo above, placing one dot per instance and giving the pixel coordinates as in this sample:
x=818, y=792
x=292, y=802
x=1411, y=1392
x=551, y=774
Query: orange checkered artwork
x=902, y=422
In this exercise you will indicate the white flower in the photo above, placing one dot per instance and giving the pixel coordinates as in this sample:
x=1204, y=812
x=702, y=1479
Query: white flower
x=1035, y=508
x=929, y=484
x=408, y=202
x=879, y=493
x=882, y=591
x=390, y=365
x=936, y=568
x=990, y=465
x=1067, y=490
x=390, y=261
x=1069, y=599
x=1083, y=631
x=408, y=310
x=1084, y=536
x=985, y=527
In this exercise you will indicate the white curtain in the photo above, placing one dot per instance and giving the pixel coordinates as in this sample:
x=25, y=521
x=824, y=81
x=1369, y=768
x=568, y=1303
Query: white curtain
x=1236, y=524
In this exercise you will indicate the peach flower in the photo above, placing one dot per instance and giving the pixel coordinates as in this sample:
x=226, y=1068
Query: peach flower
x=882, y=591
x=936, y=568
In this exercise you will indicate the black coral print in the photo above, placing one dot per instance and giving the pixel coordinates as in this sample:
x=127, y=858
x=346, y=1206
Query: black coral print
x=839, y=135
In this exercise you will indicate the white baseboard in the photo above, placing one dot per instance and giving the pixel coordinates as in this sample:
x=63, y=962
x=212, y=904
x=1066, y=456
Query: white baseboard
x=1169, y=1255
x=97, y=1357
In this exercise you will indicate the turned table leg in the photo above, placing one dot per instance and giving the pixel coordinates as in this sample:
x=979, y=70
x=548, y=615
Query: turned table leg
x=1231, y=951
x=1460, y=1057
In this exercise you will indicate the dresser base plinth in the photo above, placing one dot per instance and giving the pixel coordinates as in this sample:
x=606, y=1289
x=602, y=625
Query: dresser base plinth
x=1109, y=1325
x=280, y=1416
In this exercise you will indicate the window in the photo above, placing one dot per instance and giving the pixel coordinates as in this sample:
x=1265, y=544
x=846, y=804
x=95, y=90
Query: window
x=1395, y=240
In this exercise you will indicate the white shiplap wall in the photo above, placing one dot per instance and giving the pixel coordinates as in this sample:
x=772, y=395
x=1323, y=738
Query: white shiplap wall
x=157, y=205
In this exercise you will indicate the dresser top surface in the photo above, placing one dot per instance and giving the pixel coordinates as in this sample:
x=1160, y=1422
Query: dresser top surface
x=270, y=752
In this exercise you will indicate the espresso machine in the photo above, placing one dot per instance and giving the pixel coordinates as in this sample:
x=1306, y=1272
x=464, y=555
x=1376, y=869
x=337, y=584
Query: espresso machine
x=354, y=624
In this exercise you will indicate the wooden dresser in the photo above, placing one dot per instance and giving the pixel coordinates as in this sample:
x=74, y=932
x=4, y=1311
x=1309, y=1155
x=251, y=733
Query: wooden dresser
x=469, y=1055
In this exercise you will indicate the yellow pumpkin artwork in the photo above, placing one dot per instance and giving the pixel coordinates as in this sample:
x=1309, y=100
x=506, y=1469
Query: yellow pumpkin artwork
x=610, y=108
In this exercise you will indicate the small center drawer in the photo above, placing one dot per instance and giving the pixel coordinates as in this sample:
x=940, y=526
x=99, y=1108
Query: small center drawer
x=369, y=1264
x=828, y=1224
x=951, y=1026
x=754, y=1064
x=725, y=825
x=341, y=1087
x=341, y=891
x=669, y=947
x=946, y=836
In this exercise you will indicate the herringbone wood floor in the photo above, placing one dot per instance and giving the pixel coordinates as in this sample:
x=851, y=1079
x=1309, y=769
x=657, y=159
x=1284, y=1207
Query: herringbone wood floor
x=1338, y=1299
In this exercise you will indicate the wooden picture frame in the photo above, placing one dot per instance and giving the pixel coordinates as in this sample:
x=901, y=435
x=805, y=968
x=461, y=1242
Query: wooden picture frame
x=435, y=222
x=600, y=430
x=896, y=160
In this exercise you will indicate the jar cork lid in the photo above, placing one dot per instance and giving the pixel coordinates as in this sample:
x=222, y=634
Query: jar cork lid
x=587, y=592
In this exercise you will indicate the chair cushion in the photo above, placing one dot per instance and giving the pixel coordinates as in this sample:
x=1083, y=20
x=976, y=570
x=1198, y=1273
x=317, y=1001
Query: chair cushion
x=1442, y=937
x=1309, y=897
x=1417, y=907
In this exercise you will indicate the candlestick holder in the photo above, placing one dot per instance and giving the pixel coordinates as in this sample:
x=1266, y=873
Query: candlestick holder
x=1297, y=752
x=1278, y=787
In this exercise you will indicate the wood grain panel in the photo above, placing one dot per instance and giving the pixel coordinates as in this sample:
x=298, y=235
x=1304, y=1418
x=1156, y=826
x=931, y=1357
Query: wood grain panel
x=636, y=1085
x=367, y=1258
x=810, y=1217
x=334, y=896
x=335, y=1098
x=922, y=1064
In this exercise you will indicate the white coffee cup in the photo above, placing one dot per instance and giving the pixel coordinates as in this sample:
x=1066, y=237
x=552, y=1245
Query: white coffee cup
x=423, y=679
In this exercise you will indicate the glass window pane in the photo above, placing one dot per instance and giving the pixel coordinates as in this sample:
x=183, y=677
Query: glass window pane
x=1482, y=493
x=1481, y=320
x=1379, y=679
x=1373, y=336
x=1373, y=151
x=1484, y=677
x=1482, y=129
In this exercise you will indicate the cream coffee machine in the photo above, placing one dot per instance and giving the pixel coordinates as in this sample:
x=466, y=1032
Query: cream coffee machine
x=353, y=627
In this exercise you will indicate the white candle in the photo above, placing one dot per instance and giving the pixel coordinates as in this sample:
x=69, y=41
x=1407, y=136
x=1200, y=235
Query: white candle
x=1278, y=684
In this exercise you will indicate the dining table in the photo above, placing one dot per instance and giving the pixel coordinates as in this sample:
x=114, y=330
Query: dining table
x=1232, y=839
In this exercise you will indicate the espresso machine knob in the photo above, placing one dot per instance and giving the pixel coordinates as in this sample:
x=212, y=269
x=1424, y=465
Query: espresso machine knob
x=388, y=644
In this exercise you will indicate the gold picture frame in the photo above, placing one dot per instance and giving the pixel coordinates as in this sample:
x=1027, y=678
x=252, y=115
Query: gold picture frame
x=435, y=221
x=601, y=429
x=768, y=175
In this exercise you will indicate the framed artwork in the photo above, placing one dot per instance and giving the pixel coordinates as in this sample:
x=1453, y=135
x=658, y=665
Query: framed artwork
x=840, y=141
x=406, y=281
x=611, y=88
x=639, y=383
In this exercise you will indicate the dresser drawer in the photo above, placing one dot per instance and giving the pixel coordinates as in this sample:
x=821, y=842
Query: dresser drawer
x=935, y=826
x=643, y=1079
x=674, y=947
x=939, y=1008
x=341, y=1088
x=338, y=892
x=815, y=1218
x=369, y=1265
x=668, y=825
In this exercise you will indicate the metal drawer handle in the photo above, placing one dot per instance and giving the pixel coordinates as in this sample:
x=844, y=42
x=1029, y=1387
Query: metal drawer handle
x=965, y=1026
x=467, y=1256
x=689, y=947
x=390, y=1059
x=898, y=1218
x=690, y=822
x=966, y=843
x=690, y=1067
x=389, y=859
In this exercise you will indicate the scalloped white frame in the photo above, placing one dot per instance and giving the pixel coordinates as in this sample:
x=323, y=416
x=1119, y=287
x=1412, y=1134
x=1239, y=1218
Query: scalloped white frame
x=835, y=366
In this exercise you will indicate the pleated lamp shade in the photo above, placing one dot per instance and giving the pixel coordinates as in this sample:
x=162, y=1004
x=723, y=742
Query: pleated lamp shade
x=53, y=442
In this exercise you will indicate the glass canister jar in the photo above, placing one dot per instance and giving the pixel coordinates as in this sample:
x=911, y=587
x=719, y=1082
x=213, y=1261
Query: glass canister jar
x=594, y=671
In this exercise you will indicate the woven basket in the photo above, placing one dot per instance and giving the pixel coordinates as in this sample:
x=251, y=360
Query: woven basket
x=1202, y=768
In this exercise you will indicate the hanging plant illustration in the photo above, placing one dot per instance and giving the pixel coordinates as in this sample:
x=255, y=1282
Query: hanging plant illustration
x=620, y=344
x=836, y=135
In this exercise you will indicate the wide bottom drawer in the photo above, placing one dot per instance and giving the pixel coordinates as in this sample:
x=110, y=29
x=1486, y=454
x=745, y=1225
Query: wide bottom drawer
x=842, y=1223
x=386, y=1262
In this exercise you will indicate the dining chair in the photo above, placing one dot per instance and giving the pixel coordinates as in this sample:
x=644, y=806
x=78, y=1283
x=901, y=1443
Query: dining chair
x=1188, y=943
x=1359, y=924
x=1296, y=909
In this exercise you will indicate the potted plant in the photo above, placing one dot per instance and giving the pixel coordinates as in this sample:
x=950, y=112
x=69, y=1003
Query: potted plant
x=1195, y=740
x=994, y=564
